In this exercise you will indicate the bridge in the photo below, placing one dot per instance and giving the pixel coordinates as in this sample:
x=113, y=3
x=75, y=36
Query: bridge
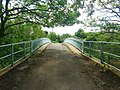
x=71, y=65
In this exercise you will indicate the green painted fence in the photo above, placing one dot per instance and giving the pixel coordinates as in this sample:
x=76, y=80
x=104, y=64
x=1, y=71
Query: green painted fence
x=11, y=53
x=108, y=52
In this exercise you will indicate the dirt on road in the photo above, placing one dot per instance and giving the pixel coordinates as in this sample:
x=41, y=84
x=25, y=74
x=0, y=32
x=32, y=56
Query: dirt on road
x=57, y=68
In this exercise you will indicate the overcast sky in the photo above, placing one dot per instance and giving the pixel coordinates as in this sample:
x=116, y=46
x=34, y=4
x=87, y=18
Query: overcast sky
x=71, y=29
x=63, y=30
x=68, y=29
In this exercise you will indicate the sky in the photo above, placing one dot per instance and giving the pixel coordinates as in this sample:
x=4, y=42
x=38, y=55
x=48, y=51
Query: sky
x=72, y=29
x=69, y=29
x=63, y=30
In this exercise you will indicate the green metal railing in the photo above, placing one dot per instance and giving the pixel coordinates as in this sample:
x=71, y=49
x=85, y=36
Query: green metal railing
x=75, y=42
x=11, y=53
x=107, y=52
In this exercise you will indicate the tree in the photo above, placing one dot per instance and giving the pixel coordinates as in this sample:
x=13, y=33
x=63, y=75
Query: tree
x=47, y=13
x=46, y=33
x=92, y=36
x=64, y=36
x=111, y=14
x=110, y=27
x=23, y=32
x=52, y=36
x=104, y=6
x=80, y=34
x=111, y=6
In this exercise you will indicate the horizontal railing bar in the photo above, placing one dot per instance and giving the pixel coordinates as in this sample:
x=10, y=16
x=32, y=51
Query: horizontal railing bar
x=103, y=42
x=18, y=59
x=73, y=39
x=98, y=49
x=111, y=42
x=112, y=54
x=5, y=45
x=5, y=67
x=93, y=49
x=27, y=48
x=18, y=43
x=104, y=52
x=14, y=44
x=5, y=56
x=18, y=51
x=27, y=54
x=27, y=41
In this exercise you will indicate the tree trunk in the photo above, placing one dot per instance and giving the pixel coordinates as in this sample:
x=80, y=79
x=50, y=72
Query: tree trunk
x=2, y=30
x=3, y=18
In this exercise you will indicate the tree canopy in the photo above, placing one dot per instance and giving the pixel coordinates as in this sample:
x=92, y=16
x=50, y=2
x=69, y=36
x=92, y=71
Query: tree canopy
x=104, y=14
x=47, y=13
x=80, y=34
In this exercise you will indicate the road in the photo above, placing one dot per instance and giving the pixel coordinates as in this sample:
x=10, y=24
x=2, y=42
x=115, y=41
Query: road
x=57, y=68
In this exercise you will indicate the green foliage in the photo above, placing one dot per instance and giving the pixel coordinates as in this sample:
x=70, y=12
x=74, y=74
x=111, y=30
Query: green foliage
x=46, y=33
x=64, y=36
x=57, y=38
x=47, y=13
x=92, y=36
x=101, y=36
x=22, y=32
x=80, y=34
x=108, y=17
x=110, y=27
x=52, y=36
x=109, y=37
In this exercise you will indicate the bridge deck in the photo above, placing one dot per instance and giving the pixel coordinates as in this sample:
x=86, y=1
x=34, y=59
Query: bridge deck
x=57, y=68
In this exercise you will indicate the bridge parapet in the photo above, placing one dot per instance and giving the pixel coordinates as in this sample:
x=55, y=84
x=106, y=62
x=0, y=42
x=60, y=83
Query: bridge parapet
x=12, y=53
x=106, y=52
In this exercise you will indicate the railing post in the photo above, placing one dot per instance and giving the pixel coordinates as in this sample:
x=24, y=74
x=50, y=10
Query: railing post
x=24, y=44
x=101, y=52
x=31, y=47
x=108, y=59
x=12, y=54
x=83, y=46
x=90, y=49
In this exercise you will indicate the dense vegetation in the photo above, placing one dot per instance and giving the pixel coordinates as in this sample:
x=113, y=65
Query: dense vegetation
x=102, y=50
x=98, y=36
x=22, y=20
x=46, y=13
x=58, y=38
